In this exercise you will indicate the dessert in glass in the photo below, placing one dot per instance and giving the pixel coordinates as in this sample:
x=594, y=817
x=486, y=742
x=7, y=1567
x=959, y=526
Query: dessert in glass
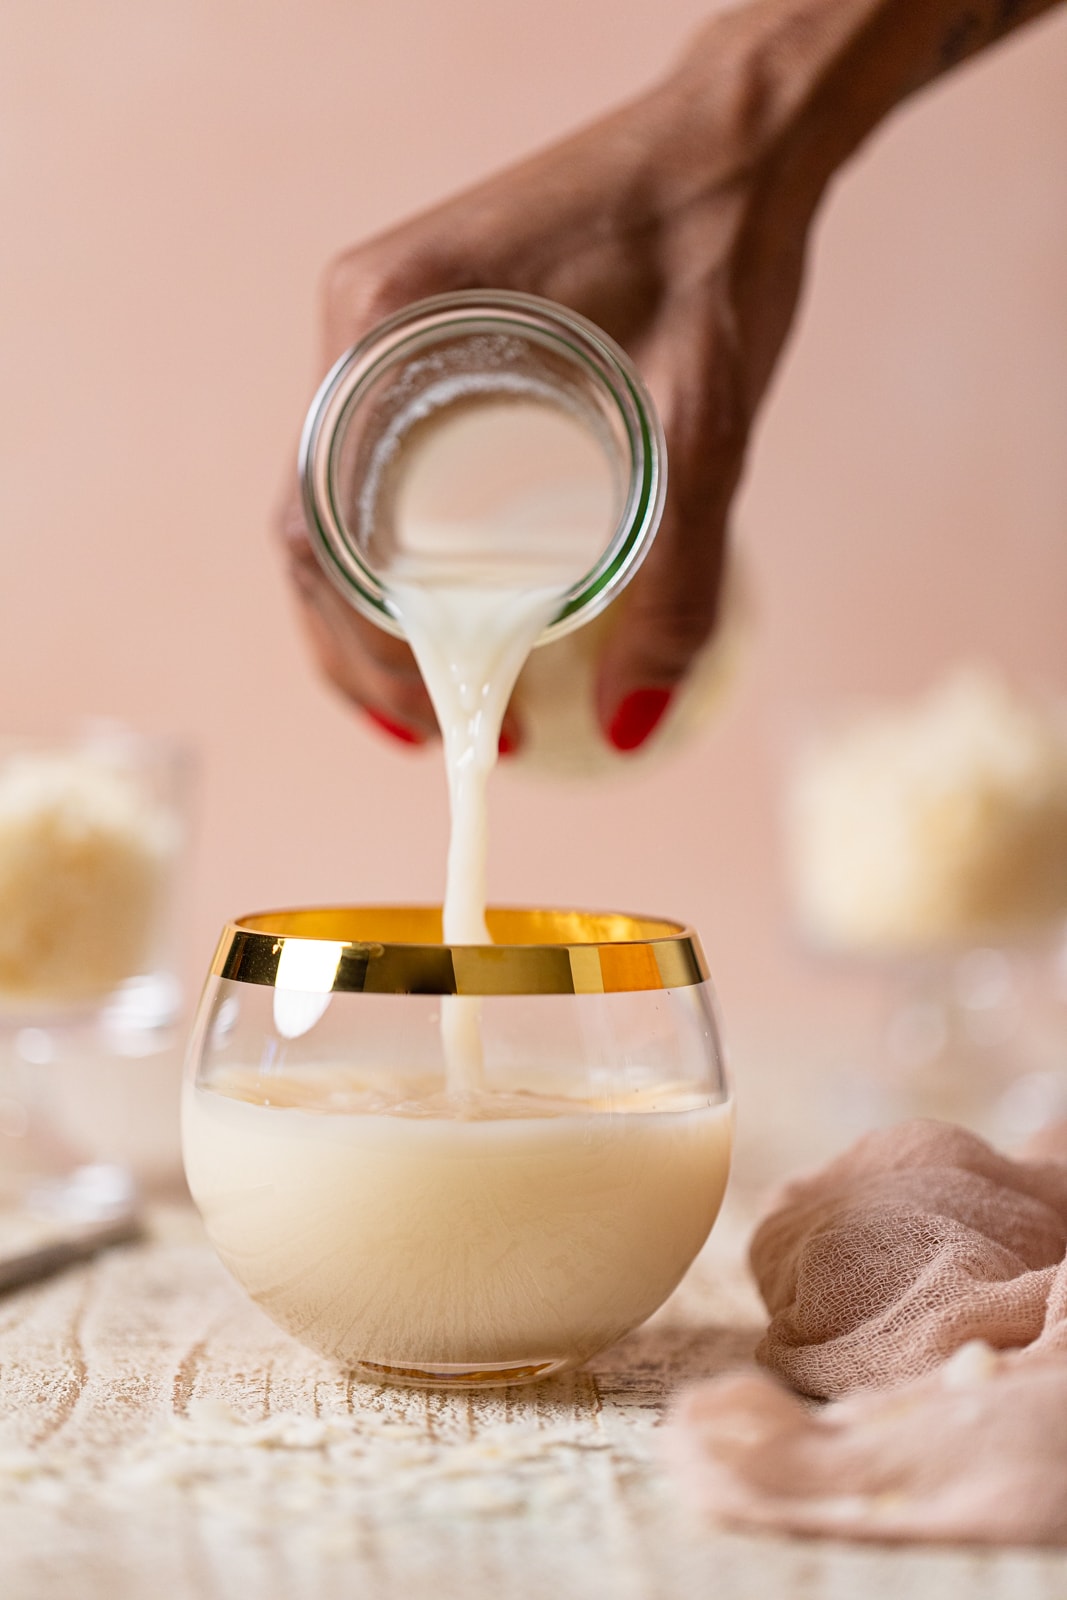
x=457, y=1165
x=929, y=839
x=92, y=829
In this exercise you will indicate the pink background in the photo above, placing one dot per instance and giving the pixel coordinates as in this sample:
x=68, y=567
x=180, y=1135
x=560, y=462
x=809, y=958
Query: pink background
x=173, y=176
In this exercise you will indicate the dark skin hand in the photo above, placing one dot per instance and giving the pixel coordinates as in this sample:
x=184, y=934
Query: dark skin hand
x=679, y=224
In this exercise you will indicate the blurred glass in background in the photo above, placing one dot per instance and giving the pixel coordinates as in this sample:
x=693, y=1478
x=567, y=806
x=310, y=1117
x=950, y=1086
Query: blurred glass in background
x=928, y=837
x=93, y=831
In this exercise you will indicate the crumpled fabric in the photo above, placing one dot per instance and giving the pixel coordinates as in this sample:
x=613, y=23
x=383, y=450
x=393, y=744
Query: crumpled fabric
x=917, y=1240
x=919, y=1283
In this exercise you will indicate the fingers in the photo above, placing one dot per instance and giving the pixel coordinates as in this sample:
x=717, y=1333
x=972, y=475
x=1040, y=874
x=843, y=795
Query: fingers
x=572, y=222
x=669, y=610
x=363, y=286
x=372, y=668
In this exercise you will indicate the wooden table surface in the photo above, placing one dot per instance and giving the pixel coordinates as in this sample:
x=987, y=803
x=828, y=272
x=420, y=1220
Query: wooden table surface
x=160, y=1437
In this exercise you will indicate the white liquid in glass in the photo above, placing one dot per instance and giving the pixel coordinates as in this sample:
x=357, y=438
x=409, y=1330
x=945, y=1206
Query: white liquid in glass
x=535, y=1233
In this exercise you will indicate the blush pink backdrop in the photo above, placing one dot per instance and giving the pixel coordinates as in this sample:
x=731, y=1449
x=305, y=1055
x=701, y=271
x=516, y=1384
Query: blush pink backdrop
x=174, y=174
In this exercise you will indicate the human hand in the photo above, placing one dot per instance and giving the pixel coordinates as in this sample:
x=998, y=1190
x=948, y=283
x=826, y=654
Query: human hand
x=678, y=224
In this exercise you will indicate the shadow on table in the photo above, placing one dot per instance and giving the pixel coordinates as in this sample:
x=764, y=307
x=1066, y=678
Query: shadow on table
x=649, y=1367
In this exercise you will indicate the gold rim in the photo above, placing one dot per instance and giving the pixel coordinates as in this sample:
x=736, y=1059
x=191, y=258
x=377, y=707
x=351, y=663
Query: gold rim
x=399, y=950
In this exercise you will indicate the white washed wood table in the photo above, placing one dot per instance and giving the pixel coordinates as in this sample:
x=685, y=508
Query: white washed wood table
x=159, y=1437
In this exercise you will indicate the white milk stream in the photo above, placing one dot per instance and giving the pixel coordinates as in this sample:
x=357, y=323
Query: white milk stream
x=501, y=505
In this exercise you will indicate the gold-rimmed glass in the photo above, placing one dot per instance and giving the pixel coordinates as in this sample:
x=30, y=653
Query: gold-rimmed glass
x=425, y=1228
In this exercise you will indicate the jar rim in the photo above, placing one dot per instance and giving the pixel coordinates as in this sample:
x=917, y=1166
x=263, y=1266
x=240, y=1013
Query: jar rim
x=473, y=310
x=400, y=950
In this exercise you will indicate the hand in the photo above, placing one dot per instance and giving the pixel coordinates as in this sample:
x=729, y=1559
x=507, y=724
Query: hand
x=679, y=226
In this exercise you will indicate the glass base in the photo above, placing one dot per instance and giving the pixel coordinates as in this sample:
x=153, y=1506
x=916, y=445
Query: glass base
x=461, y=1375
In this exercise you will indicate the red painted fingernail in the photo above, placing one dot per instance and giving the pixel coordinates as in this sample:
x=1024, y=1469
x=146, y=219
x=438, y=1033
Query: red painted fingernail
x=396, y=729
x=636, y=717
x=508, y=743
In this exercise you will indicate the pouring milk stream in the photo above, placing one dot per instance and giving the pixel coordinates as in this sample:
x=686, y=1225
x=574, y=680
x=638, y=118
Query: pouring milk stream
x=501, y=506
x=472, y=478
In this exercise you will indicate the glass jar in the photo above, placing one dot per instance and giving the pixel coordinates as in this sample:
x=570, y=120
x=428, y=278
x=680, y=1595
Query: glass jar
x=443, y=352
x=432, y=1228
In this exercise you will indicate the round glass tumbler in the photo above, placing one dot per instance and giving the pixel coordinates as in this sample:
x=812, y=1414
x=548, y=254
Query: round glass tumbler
x=457, y=1165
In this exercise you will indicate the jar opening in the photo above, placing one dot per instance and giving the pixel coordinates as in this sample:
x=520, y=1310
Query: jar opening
x=475, y=358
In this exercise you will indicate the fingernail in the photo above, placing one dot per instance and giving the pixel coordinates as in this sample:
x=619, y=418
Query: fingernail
x=396, y=729
x=636, y=717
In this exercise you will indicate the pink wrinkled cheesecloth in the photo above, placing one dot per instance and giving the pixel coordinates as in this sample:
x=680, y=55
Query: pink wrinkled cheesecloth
x=919, y=1283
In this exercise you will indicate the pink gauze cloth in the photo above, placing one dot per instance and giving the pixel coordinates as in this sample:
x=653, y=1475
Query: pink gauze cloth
x=922, y=1276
